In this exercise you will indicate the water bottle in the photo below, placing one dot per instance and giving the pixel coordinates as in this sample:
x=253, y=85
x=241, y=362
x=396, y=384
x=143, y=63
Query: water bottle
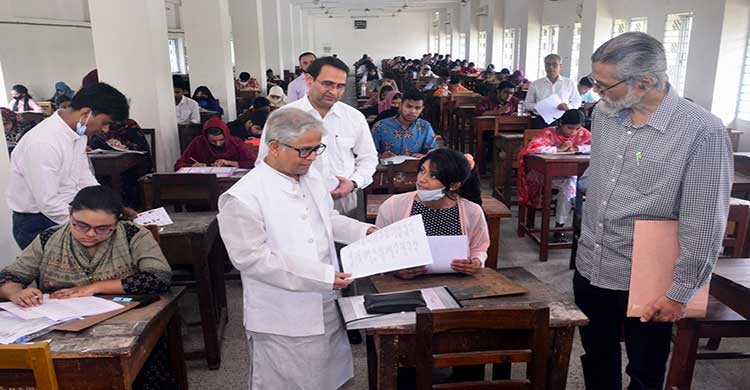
x=520, y=108
x=363, y=89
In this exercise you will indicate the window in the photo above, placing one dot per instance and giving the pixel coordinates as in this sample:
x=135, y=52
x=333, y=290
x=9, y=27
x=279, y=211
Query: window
x=176, y=55
x=575, y=54
x=482, y=49
x=627, y=25
x=446, y=49
x=547, y=44
x=743, y=103
x=462, y=46
x=676, y=44
x=435, y=42
x=509, y=49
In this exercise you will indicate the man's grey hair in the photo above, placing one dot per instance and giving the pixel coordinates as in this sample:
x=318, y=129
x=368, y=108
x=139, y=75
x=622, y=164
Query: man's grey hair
x=288, y=124
x=635, y=55
x=551, y=56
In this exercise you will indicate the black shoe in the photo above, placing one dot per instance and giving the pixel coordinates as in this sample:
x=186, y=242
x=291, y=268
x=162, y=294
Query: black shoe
x=354, y=337
x=559, y=237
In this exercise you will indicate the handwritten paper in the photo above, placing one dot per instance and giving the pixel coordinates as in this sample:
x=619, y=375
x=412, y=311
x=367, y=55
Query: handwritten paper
x=444, y=250
x=397, y=246
x=396, y=159
x=62, y=309
x=547, y=108
x=13, y=328
x=218, y=171
x=158, y=217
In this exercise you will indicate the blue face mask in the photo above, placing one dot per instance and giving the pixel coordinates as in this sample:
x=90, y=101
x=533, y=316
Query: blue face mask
x=431, y=195
x=81, y=128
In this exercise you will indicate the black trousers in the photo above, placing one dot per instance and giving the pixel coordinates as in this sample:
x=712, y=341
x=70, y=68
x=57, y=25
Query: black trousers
x=647, y=344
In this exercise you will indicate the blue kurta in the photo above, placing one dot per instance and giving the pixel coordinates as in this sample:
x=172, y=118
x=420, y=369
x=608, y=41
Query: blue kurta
x=389, y=136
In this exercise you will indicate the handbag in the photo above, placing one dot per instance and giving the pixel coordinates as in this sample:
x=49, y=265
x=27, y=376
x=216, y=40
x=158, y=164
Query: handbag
x=394, y=303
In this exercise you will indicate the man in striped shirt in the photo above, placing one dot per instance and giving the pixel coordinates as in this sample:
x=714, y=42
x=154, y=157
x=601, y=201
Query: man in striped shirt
x=654, y=156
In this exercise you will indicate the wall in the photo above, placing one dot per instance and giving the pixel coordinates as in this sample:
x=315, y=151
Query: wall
x=387, y=37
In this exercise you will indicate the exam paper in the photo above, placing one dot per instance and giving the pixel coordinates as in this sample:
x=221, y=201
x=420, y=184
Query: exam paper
x=445, y=249
x=397, y=246
x=13, y=328
x=396, y=159
x=547, y=108
x=218, y=171
x=63, y=309
x=158, y=217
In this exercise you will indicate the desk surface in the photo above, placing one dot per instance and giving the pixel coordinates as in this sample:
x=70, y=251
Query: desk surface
x=735, y=270
x=221, y=179
x=553, y=158
x=491, y=206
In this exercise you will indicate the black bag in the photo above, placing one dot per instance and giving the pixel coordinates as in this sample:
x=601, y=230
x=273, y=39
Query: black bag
x=394, y=303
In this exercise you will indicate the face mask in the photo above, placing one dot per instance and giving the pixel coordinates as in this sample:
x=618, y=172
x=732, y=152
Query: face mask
x=17, y=97
x=81, y=128
x=431, y=195
x=243, y=83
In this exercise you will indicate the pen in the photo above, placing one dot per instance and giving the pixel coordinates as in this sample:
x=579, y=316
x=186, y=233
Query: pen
x=194, y=160
x=638, y=158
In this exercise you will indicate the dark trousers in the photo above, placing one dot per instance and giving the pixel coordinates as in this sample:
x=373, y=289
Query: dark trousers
x=27, y=226
x=647, y=344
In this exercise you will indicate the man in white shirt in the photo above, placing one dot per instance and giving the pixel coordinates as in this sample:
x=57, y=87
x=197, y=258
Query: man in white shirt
x=279, y=228
x=188, y=110
x=298, y=87
x=351, y=158
x=554, y=83
x=49, y=165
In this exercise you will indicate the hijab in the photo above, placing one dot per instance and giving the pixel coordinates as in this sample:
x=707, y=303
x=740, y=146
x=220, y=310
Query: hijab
x=61, y=86
x=277, y=91
x=387, y=102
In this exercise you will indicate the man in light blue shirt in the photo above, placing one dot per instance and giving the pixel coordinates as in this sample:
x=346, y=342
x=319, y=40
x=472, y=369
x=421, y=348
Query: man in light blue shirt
x=405, y=134
x=298, y=87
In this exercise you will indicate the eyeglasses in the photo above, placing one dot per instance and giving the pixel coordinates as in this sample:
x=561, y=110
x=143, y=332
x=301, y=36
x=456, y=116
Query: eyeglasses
x=306, y=152
x=84, y=227
x=329, y=85
x=603, y=87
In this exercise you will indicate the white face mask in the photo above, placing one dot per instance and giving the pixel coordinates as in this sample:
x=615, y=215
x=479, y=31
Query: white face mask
x=243, y=83
x=81, y=127
x=431, y=195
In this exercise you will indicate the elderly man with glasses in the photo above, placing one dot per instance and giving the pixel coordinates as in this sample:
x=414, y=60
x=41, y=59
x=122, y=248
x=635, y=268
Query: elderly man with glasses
x=552, y=83
x=279, y=228
x=654, y=156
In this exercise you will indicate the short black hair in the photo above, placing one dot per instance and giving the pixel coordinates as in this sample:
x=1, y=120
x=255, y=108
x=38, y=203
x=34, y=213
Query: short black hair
x=214, y=131
x=244, y=76
x=102, y=98
x=471, y=64
x=586, y=82
x=261, y=101
x=307, y=53
x=505, y=84
x=505, y=71
x=60, y=99
x=317, y=65
x=178, y=83
x=98, y=198
x=455, y=79
x=412, y=94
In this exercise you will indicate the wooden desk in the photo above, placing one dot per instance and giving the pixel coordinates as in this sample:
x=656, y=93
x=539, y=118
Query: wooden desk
x=224, y=184
x=390, y=348
x=551, y=166
x=731, y=284
x=193, y=240
x=508, y=144
x=113, y=164
x=110, y=354
x=741, y=185
x=493, y=209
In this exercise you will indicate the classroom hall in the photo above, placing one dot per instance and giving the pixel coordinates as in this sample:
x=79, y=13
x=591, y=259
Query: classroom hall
x=375, y=194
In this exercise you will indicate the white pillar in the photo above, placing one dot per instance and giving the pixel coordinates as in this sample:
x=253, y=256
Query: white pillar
x=530, y=40
x=248, y=36
x=596, y=28
x=298, y=28
x=287, y=36
x=208, y=32
x=272, y=34
x=495, y=16
x=138, y=66
x=8, y=244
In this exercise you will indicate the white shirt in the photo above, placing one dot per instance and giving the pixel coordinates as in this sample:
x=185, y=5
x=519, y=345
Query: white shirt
x=297, y=89
x=543, y=88
x=188, y=111
x=47, y=169
x=350, y=151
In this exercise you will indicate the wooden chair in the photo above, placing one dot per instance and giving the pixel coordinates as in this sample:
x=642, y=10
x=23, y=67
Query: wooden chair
x=398, y=178
x=735, y=239
x=151, y=139
x=35, y=357
x=195, y=191
x=437, y=347
x=48, y=108
x=186, y=133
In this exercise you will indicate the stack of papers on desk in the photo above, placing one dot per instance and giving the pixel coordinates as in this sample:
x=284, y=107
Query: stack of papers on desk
x=396, y=159
x=15, y=329
x=356, y=316
x=62, y=309
x=218, y=171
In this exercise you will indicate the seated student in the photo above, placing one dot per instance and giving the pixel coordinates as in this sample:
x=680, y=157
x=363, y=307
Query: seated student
x=248, y=125
x=568, y=136
x=62, y=102
x=216, y=147
x=426, y=72
x=277, y=97
x=188, y=110
x=389, y=106
x=586, y=90
x=500, y=101
x=95, y=253
x=62, y=89
x=272, y=79
x=10, y=124
x=120, y=135
x=454, y=86
x=371, y=108
x=405, y=134
x=448, y=196
x=245, y=83
x=206, y=100
x=488, y=73
x=21, y=101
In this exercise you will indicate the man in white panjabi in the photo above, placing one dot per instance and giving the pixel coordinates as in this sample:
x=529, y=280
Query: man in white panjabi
x=279, y=227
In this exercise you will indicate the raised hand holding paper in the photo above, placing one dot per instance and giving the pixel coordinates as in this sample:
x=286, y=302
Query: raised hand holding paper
x=444, y=250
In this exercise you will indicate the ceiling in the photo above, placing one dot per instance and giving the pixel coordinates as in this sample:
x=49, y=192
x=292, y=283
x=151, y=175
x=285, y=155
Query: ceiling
x=370, y=8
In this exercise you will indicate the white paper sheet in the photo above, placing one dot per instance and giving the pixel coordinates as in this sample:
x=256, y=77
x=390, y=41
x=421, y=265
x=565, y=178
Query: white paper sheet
x=13, y=328
x=126, y=150
x=547, y=108
x=397, y=246
x=396, y=159
x=63, y=309
x=218, y=171
x=446, y=249
x=158, y=217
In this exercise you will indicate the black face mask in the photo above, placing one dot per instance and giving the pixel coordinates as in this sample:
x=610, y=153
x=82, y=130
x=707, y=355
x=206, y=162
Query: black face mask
x=201, y=98
x=17, y=97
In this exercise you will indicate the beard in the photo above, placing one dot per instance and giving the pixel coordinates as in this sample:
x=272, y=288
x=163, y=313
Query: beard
x=611, y=107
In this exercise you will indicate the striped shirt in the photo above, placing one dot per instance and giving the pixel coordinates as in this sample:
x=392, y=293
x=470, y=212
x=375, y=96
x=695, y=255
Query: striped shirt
x=676, y=166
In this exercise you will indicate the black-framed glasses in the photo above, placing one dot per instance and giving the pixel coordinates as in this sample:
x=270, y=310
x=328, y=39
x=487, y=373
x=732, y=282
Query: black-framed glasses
x=603, y=87
x=84, y=227
x=306, y=152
